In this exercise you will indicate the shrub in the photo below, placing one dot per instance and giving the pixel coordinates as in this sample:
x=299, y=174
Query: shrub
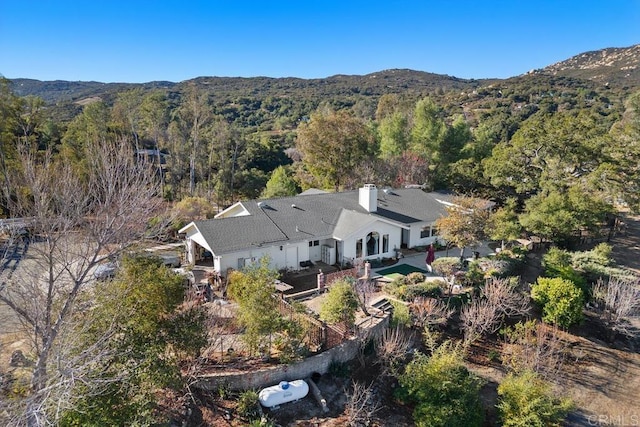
x=593, y=263
x=427, y=289
x=495, y=267
x=341, y=304
x=526, y=400
x=446, y=266
x=401, y=315
x=554, y=259
x=560, y=299
x=247, y=404
x=442, y=389
x=474, y=276
x=415, y=278
x=392, y=287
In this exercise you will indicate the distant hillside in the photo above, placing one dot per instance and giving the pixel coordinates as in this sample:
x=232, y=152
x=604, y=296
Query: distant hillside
x=371, y=84
x=619, y=67
x=606, y=76
x=56, y=91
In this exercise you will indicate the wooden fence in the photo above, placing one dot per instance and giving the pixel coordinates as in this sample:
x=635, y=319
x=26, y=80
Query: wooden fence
x=319, y=336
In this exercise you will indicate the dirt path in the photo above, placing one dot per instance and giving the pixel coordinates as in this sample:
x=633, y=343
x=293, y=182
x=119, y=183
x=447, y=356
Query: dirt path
x=626, y=245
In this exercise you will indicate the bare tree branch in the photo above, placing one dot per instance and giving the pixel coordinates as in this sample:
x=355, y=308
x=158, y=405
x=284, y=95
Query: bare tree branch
x=618, y=303
x=484, y=314
x=77, y=219
x=361, y=405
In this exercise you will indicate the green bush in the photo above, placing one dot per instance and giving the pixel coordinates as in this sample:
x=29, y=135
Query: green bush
x=560, y=299
x=442, y=389
x=432, y=289
x=526, y=400
x=474, y=275
x=554, y=259
x=408, y=293
x=393, y=288
x=340, y=304
x=401, y=315
x=247, y=404
x=415, y=278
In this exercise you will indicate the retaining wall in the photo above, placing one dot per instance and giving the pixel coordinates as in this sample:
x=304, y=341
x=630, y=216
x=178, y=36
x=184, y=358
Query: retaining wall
x=305, y=368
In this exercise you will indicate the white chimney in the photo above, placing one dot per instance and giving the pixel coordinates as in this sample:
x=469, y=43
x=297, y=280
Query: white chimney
x=368, y=197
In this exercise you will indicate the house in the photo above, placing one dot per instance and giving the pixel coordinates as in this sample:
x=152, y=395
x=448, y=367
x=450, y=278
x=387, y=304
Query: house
x=317, y=226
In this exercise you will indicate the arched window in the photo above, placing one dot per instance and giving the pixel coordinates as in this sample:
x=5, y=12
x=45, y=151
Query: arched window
x=373, y=243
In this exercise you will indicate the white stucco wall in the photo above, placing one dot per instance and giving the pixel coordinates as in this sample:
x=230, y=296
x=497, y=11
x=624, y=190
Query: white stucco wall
x=414, y=235
x=382, y=228
x=277, y=256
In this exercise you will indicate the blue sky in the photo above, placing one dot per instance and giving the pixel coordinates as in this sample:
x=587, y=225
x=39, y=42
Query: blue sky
x=140, y=41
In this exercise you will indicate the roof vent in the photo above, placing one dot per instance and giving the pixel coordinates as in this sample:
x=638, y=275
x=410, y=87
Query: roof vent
x=293, y=205
x=262, y=205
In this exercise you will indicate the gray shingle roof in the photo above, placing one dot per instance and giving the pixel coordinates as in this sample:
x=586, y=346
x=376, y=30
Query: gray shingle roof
x=314, y=216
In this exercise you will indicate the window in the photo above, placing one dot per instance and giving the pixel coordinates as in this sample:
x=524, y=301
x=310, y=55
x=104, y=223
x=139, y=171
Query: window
x=385, y=243
x=434, y=231
x=359, y=248
x=314, y=243
x=425, y=232
x=373, y=243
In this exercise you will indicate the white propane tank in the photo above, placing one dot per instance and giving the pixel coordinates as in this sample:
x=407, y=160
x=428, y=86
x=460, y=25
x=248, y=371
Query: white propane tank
x=286, y=391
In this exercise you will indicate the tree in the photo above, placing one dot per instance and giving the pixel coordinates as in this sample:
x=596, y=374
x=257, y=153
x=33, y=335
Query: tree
x=551, y=217
x=525, y=400
x=550, y=152
x=86, y=129
x=127, y=113
x=10, y=112
x=457, y=136
x=280, y=184
x=253, y=289
x=503, y=223
x=559, y=216
x=80, y=217
x=428, y=133
x=621, y=173
x=465, y=222
x=333, y=144
x=430, y=312
x=154, y=118
x=392, y=347
x=394, y=135
x=362, y=404
x=192, y=209
x=561, y=301
x=340, y=304
x=193, y=115
x=146, y=343
x=442, y=389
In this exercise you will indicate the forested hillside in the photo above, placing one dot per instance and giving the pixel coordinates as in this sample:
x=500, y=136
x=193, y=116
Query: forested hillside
x=534, y=135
